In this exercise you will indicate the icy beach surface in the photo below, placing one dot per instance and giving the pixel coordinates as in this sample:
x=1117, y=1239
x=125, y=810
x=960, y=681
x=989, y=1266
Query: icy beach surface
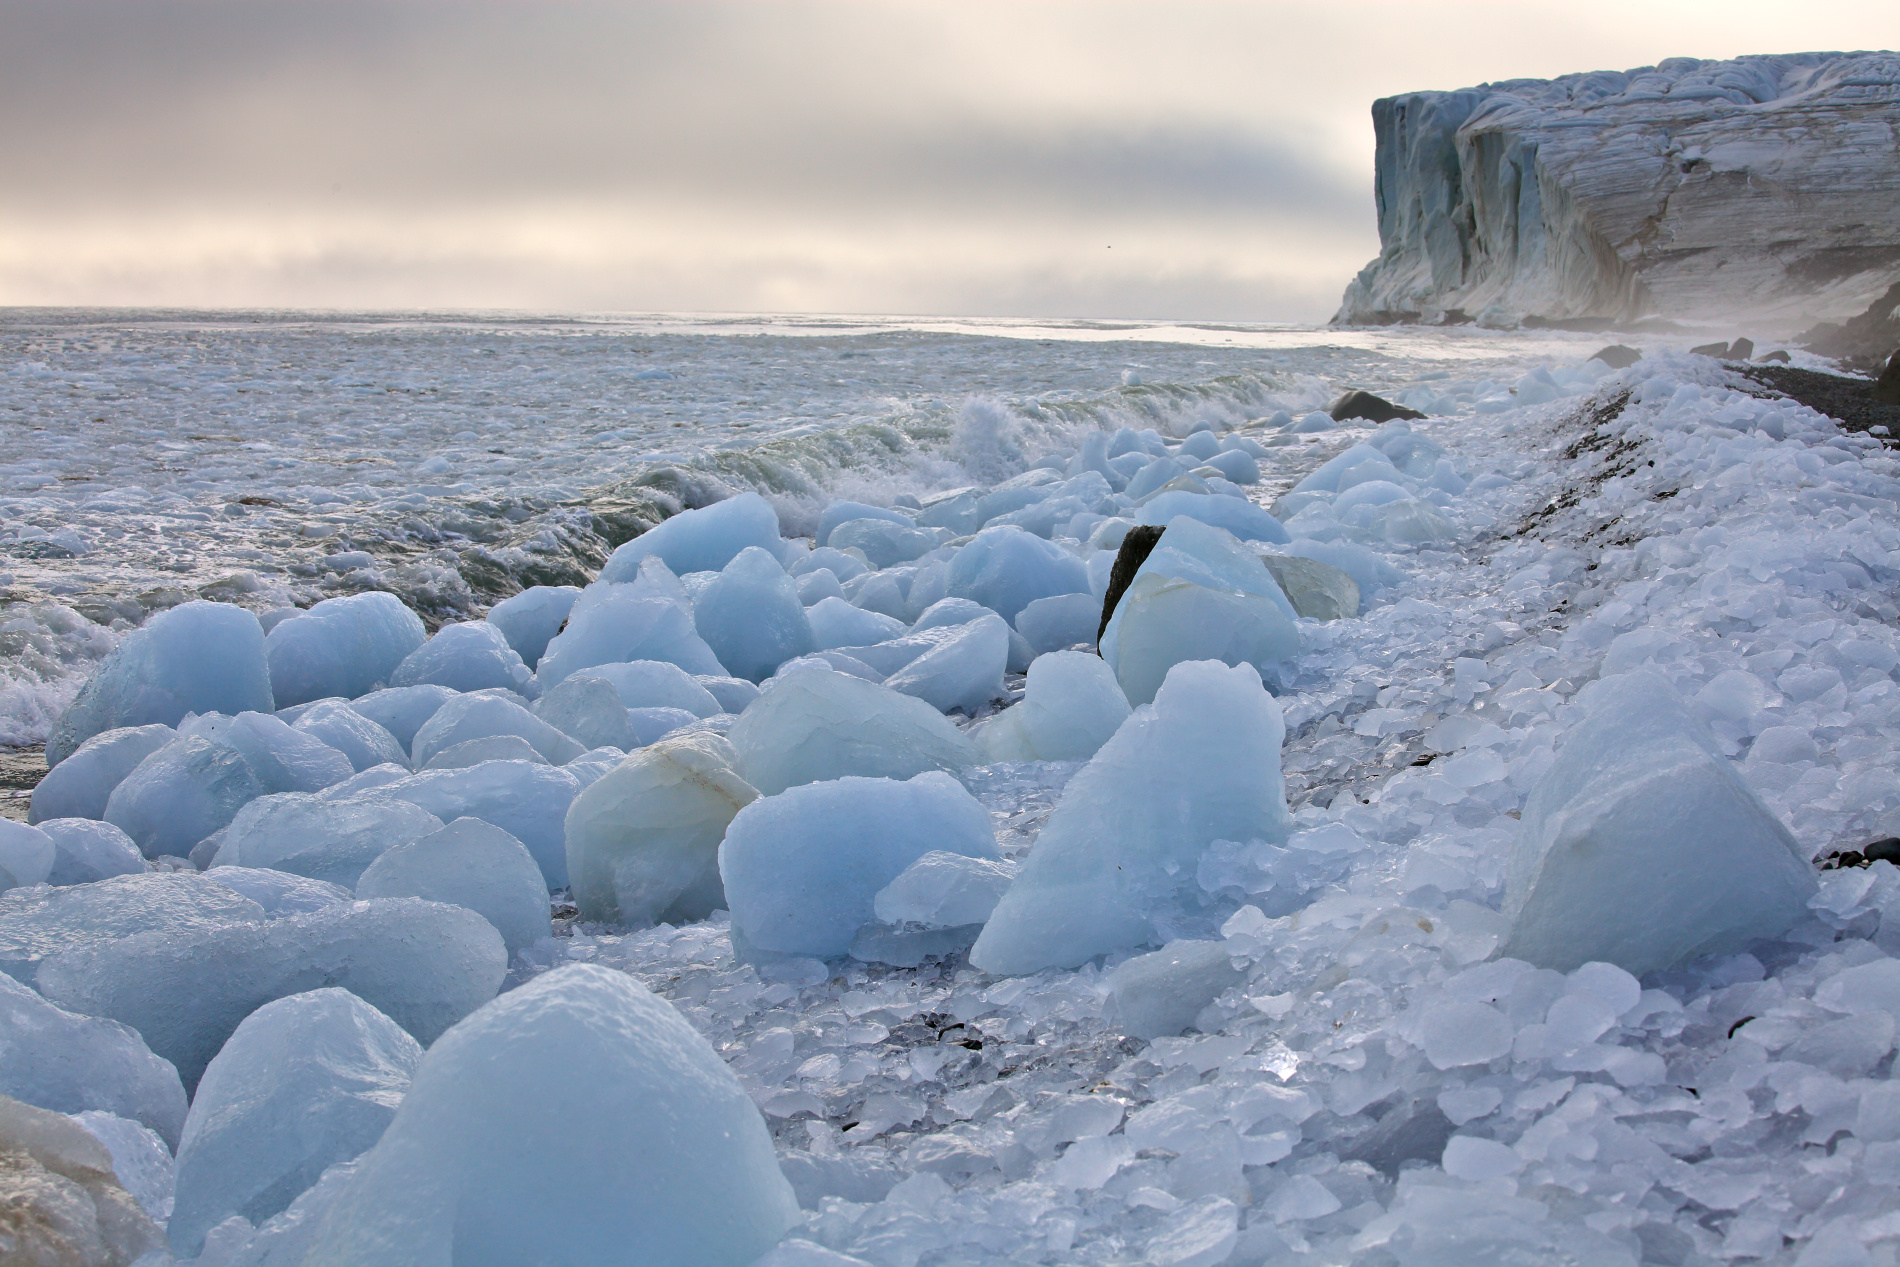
x=1324, y=1018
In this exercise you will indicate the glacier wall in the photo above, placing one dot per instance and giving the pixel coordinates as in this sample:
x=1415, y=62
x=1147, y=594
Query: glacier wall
x=1764, y=188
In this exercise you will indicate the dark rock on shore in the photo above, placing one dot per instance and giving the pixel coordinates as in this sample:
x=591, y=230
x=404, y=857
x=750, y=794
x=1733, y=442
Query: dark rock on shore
x=1618, y=357
x=1849, y=401
x=1360, y=404
x=1861, y=343
x=1136, y=547
x=1887, y=386
x=1716, y=350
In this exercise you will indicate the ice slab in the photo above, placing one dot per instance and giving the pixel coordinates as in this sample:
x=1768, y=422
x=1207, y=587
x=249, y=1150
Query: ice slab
x=643, y=839
x=68, y=1063
x=802, y=869
x=283, y=758
x=85, y=849
x=527, y=801
x=1642, y=846
x=1006, y=569
x=323, y=839
x=530, y=619
x=1122, y=847
x=964, y=672
x=1071, y=707
x=303, y=1083
x=425, y=965
x=702, y=540
x=1159, y=995
x=37, y=923
x=471, y=656
x=587, y=709
x=198, y=657
x=182, y=793
x=578, y=1110
x=473, y=864
x=480, y=716
x=751, y=617
x=27, y=855
x=614, y=624
x=1055, y=624
x=78, y=786
x=1242, y=518
x=657, y=684
x=836, y=623
x=402, y=710
x=341, y=646
x=815, y=724
x=363, y=742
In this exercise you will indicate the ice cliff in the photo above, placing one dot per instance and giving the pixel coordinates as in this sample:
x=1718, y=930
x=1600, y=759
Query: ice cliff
x=1696, y=190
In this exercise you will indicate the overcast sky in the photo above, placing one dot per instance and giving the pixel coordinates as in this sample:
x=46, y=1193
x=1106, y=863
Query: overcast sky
x=1066, y=159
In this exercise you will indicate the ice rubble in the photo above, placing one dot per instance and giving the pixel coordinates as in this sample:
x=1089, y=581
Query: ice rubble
x=578, y=1110
x=304, y=1082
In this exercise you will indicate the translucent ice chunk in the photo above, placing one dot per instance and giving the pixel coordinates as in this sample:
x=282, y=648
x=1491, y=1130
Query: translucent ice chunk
x=27, y=855
x=1162, y=622
x=1054, y=624
x=643, y=839
x=1202, y=763
x=702, y=540
x=320, y=838
x=360, y=740
x=68, y=1063
x=527, y=801
x=78, y=786
x=815, y=724
x=471, y=656
x=304, y=1082
x=843, y=512
x=733, y=694
x=944, y=890
x=468, y=863
x=588, y=710
x=965, y=671
x=884, y=543
x=1642, y=846
x=479, y=716
x=1072, y=706
x=803, y=868
x=284, y=758
x=181, y=794
x=197, y=657
x=342, y=646
x=1159, y=995
x=1006, y=569
x=836, y=623
x=141, y=1159
x=86, y=849
x=578, y=1110
x=657, y=684
x=1369, y=569
x=423, y=964
x=751, y=617
x=1242, y=518
x=613, y=624
x=402, y=710
x=650, y=725
x=279, y=892
x=531, y=618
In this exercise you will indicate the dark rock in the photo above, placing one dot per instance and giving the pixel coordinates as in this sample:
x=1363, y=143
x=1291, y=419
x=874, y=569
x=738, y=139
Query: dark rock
x=1136, y=547
x=1717, y=350
x=1358, y=404
x=1741, y=349
x=1849, y=401
x=1779, y=358
x=1863, y=342
x=1887, y=387
x=1886, y=849
x=1618, y=357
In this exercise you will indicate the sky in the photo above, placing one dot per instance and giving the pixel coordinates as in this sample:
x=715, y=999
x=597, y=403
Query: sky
x=1185, y=160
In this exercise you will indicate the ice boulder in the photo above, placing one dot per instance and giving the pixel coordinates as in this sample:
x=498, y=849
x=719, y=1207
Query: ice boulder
x=479, y=716
x=1369, y=570
x=84, y=850
x=650, y=725
x=658, y=684
x=816, y=586
x=836, y=623
x=579, y=1111
x=815, y=724
x=402, y=710
x=38, y=923
x=60, y=1060
x=613, y=624
x=303, y=1082
x=468, y=863
x=283, y=758
x=733, y=695
x=471, y=656
x=1054, y=624
x=182, y=793
x=425, y=965
x=884, y=543
x=1236, y=466
x=27, y=855
x=78, y=786
x=1121, y=851
x=844, y=512
x=1006, y=569
x=279, y=892
x=1318, y=591
x=527, y=801
x=530, y=619
x=1642, y=847
x=751, y=617
x=1159, y=995
x=141, y=1160
x=197, y=657
x=64, y=1206
x=1242, y=518
x=342, y=646
x=845, y=565
x=965, y=671
x=1071, y=708
x=588, y=710
x=319, y=838
x=802, y=869
x=944, y=890
x=362, y=742
x=643, y=839
x=1325, y=479
x=702, y=540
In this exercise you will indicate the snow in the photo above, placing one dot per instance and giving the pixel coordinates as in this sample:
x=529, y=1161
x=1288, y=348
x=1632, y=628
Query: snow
x=802, y=868
x=814, y=725
x=578, y=1110
x=423, y=964
x=341, y=646
x=323, y=839
x=643, y=839
x=302, y=1083
x=198, y=657
x=467, y=863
